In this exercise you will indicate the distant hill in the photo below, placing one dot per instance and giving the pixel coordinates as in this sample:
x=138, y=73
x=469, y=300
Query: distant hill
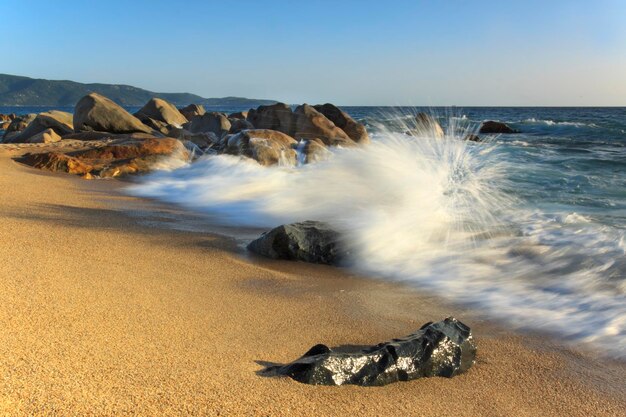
x=23, y=91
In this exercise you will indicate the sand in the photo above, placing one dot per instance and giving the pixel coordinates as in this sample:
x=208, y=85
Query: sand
x=109, y=310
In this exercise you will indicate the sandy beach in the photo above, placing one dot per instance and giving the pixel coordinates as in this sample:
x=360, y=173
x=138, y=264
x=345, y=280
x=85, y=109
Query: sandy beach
x=107, y=309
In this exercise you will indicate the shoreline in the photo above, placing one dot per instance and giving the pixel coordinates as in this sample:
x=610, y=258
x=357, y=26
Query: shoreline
x=205, y=319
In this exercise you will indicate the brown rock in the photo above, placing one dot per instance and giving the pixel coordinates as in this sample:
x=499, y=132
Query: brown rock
x=355, y=130
x=237, y=125
x=47, y=136
x=238, y=115
x=267, y=147
x=274, y=117
x=427, y=125
x=5, y=125
x=311, y=151
x=97, y=113
x=119, y=158
x=192, y=110
x=17, y=125
x=159, y=110
x=59, y=121
x=214, y=122
x=311, y=124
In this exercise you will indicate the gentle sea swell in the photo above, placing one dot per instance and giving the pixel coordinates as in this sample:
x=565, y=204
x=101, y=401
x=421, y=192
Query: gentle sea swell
x=500, y=226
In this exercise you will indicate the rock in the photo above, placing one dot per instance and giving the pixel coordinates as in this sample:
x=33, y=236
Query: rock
x=267, y=147
x=5, y=125
x=125, y=156
x=59, y=121
x=445, y=349
x=238, y=115
x=161, y=111
x=214, y=122
x=17, y=125
x=311, y=124
x=97, y=136
x=310, y=151
x=5, y=118
x=192, y=110
x=274, y=117
x=309, y=241
x=356, y=131
x=203, y=140
x=495, y=127
x=427, y=125
x=94, y=112
x=47, y=136
x=237, y=125
x=472, y=138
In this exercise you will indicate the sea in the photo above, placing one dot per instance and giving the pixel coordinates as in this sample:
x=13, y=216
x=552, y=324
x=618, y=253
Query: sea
x=526, y=228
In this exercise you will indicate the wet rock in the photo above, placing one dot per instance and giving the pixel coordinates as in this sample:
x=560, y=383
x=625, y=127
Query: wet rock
x=214, y=122
x=427, y=125
x=124, y=156
x=94, y=112
x=309, y=241
x=311, y=150
x=192, y=110
x=159, y=110
x=267, y=147
x=355, y=130
x=495, y=127
x=445, y=348
x=472, y=138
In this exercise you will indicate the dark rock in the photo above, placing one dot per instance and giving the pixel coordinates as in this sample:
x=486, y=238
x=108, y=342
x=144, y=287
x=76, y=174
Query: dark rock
x=192, y=110
x=495, y=127
x=472, y=138
x=274, y=117
x=309, y=241
x=98, y=113
x=237, y=125
x=159, y=110
x=356, y=131
x=267, y=147
x=445, y=348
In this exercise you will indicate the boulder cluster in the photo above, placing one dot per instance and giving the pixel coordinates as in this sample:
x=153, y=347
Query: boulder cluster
x=273, y=134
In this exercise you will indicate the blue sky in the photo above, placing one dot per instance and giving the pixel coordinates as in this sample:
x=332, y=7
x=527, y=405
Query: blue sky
x=347, y=52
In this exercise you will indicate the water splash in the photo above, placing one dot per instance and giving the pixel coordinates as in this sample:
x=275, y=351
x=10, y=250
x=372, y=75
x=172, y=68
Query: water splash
x=435, y=213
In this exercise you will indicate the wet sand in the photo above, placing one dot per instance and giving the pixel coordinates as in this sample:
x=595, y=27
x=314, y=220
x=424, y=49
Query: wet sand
x=111, y=307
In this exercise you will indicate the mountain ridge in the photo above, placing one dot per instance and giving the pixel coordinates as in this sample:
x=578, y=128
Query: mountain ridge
x=16, y=90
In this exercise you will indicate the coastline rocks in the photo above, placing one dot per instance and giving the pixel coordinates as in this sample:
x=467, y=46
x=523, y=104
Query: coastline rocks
x=342, y=120
x=445, y=349
x=94, y=112
x=161, y=111
x=237, y=125
x=309, y=241
x=238, y=115
x=214, y=122
x=310, y=151
x=274, y=117
x=18, y=124
x=311, y=124
x=192, y=110
x=427, y=125
x=495, y=127
x=125, y=156
x=59, y=121
x=267, y=147
x=472, y=138
x=47, y=136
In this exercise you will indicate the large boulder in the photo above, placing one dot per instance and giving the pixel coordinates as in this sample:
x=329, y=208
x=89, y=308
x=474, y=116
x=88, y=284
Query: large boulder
x=121, y=157
x=311, y=150
x=355, y=130
x=495, y=127
x=427, y=125
x=238, y=115
x=214, y=122
x=59, y=121
x=18, y=124
x=98, y=113
x=162, y=111
x=309, y=241
x=192, y=110
x=444, y=349
x=267, y=147
x=311, y=124
x=274, y=117
x=237, y=125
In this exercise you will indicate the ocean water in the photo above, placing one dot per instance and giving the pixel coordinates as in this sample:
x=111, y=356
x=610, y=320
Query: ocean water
x=527, y=228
